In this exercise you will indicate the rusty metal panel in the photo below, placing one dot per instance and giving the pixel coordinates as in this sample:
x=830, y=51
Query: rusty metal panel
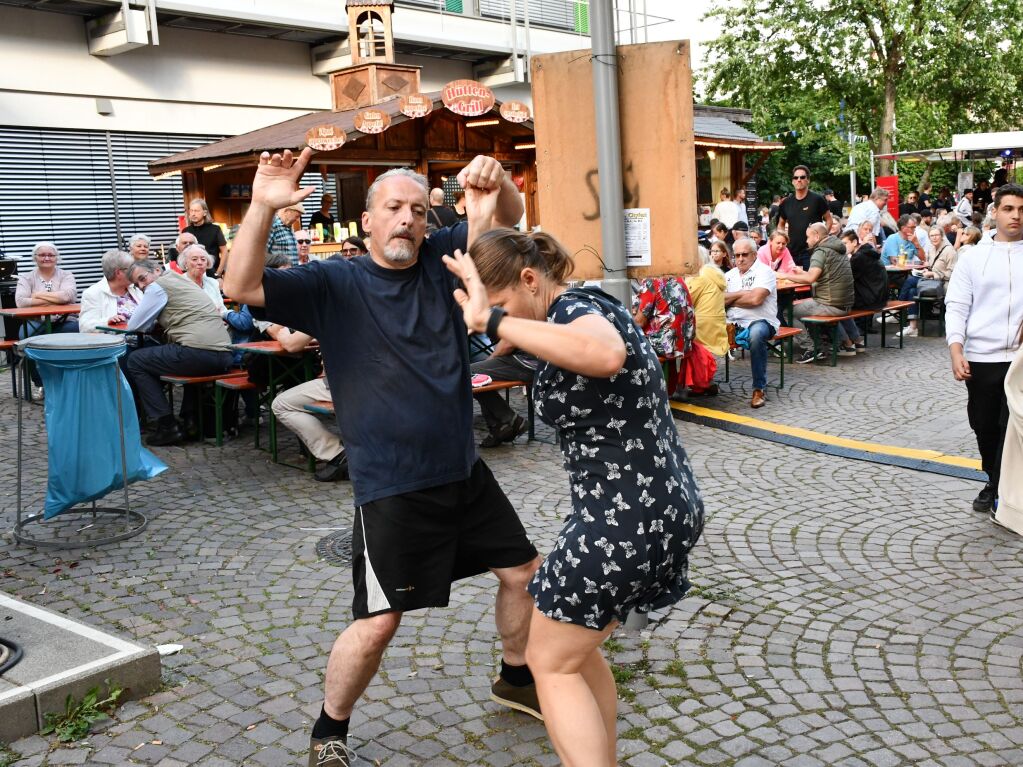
x=655, y=87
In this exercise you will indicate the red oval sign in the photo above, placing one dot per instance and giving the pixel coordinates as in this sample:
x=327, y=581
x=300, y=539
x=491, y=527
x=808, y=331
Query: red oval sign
x=415, y=105
x=324, y=138
x=515, y=111
x=468, y=98
x=372, y=121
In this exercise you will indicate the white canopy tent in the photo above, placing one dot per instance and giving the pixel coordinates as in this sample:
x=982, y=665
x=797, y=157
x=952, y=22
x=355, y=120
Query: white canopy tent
x=966, y=147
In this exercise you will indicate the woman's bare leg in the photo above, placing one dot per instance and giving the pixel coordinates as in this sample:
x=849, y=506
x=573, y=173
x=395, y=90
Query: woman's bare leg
x=576, y=690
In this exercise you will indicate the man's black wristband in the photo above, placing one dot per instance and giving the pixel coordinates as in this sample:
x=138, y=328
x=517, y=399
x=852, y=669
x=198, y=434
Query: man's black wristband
x=496, y=315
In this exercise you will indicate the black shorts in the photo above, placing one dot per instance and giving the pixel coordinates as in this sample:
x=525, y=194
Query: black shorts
x=408, y=549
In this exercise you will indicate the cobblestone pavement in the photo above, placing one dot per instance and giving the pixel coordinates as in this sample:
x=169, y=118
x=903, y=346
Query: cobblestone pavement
x=845, y=613
x=905, y=397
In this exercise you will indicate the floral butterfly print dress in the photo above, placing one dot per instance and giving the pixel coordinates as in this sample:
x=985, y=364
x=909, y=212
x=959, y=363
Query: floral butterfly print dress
x=636, y=510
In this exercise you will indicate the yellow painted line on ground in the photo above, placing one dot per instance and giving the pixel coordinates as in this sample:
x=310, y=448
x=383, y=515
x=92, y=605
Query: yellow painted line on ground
x=828, y=439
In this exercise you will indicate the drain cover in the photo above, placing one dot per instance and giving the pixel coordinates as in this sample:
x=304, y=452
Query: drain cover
x=336, y=548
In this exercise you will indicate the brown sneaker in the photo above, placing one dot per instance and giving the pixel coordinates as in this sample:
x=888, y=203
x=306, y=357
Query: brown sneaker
x=759, y=400
x=330, y=752
x=520, y=698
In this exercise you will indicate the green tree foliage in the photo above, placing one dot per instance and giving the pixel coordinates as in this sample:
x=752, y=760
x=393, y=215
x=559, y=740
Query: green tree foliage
x=931, y=67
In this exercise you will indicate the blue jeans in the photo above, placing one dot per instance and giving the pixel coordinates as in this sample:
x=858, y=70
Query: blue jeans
x=908, y=293
x=849, y=331
x=760, y=332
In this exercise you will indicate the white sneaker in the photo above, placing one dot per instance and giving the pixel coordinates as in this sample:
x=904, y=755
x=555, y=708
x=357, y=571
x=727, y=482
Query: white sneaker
x=37, y=393
x=910, y=332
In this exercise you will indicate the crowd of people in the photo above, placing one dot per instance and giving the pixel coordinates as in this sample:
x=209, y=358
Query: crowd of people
x=428, y=510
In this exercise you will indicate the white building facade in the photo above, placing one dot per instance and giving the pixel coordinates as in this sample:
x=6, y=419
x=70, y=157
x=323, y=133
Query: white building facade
x=93, y=91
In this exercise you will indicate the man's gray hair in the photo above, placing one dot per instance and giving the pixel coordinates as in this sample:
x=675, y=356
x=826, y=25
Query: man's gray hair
x=205, y=208
x=419, y=178
x=138, y=238
x=145, y=265
x=113, y=260
x=47, y=246
x=820, y=228
x=179, y=246
x=277, y=260
x=183, y=256
x=879, y=194
x=750, y=240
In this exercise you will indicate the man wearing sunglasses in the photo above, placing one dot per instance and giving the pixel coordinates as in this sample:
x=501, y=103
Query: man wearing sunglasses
x=798, y=211
x=303, y=240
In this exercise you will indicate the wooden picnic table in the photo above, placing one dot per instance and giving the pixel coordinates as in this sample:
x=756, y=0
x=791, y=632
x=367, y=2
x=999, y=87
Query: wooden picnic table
x=46, y=313
x=787, y=292
x=120, y=328
x=284, y=370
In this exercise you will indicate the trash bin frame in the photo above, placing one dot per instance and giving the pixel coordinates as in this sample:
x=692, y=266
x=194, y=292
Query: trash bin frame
x=134, y=521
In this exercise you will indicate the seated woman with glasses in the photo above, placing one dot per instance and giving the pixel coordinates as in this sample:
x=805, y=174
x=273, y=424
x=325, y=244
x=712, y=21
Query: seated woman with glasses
x=47, y=284
x=351, y=247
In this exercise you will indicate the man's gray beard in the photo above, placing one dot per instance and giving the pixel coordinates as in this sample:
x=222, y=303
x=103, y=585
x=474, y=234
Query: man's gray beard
x=401, y=254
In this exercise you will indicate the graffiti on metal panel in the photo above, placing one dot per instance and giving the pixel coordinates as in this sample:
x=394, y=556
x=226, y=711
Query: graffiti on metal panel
x=630, y=191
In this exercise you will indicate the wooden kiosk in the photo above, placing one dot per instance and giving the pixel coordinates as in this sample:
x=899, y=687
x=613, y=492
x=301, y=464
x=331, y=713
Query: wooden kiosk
x=368, y=99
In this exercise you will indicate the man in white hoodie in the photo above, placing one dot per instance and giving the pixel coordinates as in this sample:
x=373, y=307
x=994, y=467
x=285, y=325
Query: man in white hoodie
x=984, y=310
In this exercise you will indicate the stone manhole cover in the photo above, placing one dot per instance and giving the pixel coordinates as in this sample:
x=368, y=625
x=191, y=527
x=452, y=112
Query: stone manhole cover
x=336, y=548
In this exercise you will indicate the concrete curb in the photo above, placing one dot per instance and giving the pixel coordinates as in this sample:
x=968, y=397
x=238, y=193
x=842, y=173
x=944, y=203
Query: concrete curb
x=64, y=657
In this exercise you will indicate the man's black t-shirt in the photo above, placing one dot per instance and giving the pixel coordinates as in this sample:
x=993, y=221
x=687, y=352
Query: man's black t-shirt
x=981, y=199
x=211, y=237
x=396, y=353
x=441, y=216
x=319, y=217
x=908, y=208
x=800, y=214
x=835, y=206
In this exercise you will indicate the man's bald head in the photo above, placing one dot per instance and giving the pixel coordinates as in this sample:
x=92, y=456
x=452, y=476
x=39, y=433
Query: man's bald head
x=815, y=233
x=436, y=196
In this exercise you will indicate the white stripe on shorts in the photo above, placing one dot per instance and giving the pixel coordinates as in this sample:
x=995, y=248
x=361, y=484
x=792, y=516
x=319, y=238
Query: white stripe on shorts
x=376, y=600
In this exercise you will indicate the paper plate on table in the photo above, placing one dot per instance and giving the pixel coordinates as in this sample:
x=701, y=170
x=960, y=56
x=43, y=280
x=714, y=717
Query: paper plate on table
x=481, y=379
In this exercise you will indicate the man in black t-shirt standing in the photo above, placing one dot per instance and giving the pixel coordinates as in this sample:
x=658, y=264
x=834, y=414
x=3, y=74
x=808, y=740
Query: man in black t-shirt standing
x=798, y=211
x=439, y=215
x=207, y=234
x=911, y=205
x=428, y=510
x=834, y=204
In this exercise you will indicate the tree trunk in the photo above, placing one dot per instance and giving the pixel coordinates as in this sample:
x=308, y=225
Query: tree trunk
x=925, y=177
x=888, y=113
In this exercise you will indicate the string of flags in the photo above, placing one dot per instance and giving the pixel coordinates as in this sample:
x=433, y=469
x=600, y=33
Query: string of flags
x=797, y=131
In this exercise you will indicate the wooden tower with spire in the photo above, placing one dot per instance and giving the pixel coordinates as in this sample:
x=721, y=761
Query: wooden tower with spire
x=373, y=76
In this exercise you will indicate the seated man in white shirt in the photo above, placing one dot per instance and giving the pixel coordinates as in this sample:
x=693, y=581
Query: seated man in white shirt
x=751, y=301
x=868, y=211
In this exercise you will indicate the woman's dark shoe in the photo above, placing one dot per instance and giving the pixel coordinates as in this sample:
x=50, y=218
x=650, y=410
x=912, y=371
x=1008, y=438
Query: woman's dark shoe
x=505, y=433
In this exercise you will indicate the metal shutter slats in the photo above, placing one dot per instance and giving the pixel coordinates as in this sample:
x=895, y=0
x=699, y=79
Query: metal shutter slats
x=56, y=185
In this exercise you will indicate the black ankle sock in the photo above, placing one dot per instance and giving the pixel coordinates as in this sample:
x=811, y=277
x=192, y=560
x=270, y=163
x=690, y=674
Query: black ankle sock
x=516, y=676
x=328, y=727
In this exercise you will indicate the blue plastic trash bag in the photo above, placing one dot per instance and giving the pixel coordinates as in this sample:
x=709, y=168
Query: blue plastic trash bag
x=80, y=374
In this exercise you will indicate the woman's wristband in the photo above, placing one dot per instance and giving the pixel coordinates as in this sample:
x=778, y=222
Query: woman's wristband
x=496, y=315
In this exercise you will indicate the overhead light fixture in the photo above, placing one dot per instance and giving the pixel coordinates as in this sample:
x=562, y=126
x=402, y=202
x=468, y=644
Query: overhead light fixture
x=213, y=167
x=481, y=123
x=168, y=174
x=525, y=146
x=711, y=154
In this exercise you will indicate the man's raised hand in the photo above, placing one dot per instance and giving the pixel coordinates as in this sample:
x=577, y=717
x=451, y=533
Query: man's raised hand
x=483, y=173
x=276, y=182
